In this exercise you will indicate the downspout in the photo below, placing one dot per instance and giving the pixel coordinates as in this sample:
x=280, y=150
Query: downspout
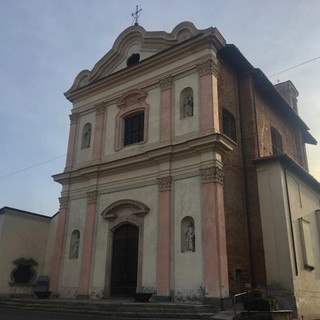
x=245, y=186
x=290, y=218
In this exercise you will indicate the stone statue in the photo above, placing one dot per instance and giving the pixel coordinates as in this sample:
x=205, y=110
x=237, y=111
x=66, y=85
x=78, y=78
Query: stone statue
x=75, y=247
x=190, y=235
x=87, y=138
x=188, y=106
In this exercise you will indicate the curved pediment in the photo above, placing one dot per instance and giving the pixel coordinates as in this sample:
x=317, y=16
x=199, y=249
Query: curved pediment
x=118, y=207
x=135, y=40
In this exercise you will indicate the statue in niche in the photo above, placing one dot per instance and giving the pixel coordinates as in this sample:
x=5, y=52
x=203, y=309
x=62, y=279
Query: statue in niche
x=75, y=246
x=188, y=106
x=87, y=137
x=190, y=236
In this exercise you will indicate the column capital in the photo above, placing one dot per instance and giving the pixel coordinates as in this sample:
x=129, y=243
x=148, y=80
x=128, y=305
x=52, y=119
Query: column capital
x=92, y=196
x=166, y=83
x=165, y=183
x=212, y=174
x=208, y=67
x=100, y=107
x=74, y=118
x=64, y=202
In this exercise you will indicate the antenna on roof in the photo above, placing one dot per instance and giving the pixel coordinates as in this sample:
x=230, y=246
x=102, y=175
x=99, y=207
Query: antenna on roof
x=136, y=16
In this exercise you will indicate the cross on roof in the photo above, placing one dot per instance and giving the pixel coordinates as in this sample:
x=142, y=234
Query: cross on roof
x=136, y=15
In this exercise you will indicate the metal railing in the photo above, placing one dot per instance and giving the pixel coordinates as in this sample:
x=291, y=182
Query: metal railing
x=236, y=296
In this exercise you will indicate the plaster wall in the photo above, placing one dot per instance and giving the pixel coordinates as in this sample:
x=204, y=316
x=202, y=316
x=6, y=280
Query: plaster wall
x=188, y=266
x=22, y=236
x=71, y=267
x=141, y=80
x=148, y=195
x=84, y=155
x=50, y=244
x=188, y=124
x=295, y=286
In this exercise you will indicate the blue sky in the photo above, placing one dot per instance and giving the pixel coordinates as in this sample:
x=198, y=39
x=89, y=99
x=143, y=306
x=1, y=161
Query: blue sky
x=46, y=43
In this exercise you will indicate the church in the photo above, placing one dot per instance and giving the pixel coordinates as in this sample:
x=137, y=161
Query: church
x=186, y=177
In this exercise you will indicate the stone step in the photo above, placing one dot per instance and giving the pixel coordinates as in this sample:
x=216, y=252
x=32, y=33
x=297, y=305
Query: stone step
x=113, y=309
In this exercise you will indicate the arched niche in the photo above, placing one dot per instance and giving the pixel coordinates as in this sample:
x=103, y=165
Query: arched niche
x=188, y=235
x=74, y=245
x=186, y=103
x=86, y=136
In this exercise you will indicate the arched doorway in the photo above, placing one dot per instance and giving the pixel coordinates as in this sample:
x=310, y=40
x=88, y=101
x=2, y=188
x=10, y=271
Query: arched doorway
x=124, y=268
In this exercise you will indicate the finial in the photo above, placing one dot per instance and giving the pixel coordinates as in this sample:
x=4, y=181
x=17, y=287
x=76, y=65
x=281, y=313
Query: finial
x=136, y=16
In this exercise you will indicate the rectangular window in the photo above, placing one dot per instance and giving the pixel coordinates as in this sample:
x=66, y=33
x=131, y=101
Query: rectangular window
x=133, y=128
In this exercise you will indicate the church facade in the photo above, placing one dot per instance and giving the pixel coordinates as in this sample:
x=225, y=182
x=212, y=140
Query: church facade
x=177, y=144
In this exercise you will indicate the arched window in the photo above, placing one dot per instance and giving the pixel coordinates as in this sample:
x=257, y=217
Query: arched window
x=86, y=136
x=186, y=103
x=188, y=235
x=74, y=244
x=133, y=128
x=276, y=141
x=229, y=124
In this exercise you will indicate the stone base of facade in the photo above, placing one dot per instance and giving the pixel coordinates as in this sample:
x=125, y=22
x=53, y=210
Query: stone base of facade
x=162, y=298
x=219, y=303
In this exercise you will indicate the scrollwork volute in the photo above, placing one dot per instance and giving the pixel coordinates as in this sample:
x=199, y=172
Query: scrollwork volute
x=212, y=174
x=92, y=196
x=74, y=118
x=165, y=183
x=64, y=202
x=208, y=67
x=166, y=83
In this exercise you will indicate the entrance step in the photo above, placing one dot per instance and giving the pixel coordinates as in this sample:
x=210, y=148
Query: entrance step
x=113, y=309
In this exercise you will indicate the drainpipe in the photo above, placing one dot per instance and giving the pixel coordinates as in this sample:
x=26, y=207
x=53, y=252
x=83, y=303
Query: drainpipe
x=290, y=218
x=246, y=188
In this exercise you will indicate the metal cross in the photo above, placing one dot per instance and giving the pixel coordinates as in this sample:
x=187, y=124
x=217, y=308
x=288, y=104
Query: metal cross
x=136, y=16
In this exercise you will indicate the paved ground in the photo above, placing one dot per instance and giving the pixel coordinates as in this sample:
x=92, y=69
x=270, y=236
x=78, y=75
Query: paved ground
x=8, y=314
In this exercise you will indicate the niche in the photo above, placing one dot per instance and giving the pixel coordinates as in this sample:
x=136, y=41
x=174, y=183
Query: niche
x=86, y=136
x=186, y=103
x=74, y=244
x=188, y=243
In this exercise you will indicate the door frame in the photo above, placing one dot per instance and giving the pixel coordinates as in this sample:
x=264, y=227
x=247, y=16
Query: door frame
x=119, y=213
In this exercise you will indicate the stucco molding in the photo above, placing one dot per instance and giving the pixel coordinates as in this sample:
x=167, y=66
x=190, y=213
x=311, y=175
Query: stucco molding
x=208, y=67
x=92, y=196
x=212, y=175
x=100, y=107
x=64, y=202
x=164, y=183
x=74, y=117
x=166, y=83
x=121, y=206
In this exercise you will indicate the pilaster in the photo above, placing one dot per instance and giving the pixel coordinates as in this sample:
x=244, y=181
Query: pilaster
x=87, y=250
x=209, y=112
x=72, y=141
x=57, y=260
x=165, y=115
x=98, y=134
x=163, y=250
x=214, y=234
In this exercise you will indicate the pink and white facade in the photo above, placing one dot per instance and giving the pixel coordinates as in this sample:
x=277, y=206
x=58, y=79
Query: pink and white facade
x=142, y=204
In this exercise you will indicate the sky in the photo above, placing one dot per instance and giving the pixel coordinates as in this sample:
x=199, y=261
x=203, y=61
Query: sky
x=46, y=43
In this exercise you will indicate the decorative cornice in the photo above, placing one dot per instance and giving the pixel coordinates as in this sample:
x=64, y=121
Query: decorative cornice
x=64, y=202
x=166, y=83
x=212, y=174
x=100, y=108
x=208, y=67
x=165, y=183
x=74, y=118
x=92, y=196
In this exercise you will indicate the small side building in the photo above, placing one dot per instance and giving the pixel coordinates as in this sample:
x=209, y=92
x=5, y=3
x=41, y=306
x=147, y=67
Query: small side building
x=26, y=241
